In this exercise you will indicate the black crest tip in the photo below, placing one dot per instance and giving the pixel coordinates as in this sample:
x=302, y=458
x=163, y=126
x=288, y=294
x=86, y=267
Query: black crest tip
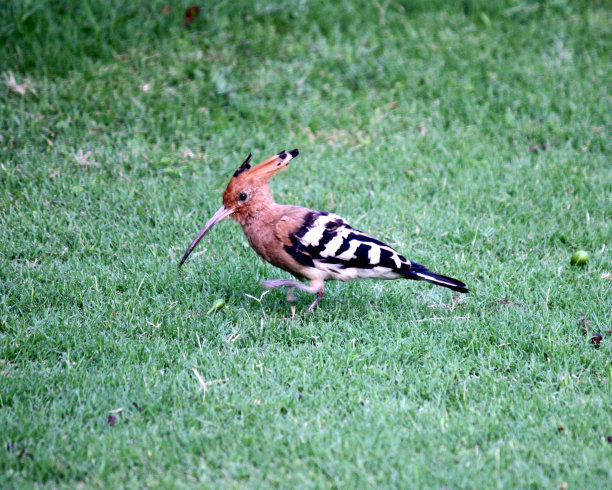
x=245, y=166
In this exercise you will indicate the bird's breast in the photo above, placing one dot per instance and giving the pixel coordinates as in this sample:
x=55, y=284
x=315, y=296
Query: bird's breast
x=263, y=240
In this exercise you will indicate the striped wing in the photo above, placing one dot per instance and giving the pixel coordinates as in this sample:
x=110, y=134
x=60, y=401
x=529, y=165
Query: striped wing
x=327, y=243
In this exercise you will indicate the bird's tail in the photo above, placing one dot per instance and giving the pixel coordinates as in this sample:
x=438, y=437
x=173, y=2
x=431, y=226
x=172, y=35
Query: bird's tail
x=419, y=272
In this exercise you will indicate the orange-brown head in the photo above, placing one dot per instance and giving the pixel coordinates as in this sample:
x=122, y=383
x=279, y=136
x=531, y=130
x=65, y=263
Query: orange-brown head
x=246, y=192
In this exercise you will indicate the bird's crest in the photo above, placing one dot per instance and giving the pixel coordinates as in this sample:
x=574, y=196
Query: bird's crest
x=245, y=166
x=262, y=172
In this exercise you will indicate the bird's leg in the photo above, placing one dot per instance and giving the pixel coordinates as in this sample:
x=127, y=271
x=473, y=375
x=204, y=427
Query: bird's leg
x=316, y=287
x=291, y=299
x=315, y=302
x=279, y=283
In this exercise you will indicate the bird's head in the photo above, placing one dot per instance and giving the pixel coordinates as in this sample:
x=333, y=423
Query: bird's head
x=247, y=183
x=247, y=186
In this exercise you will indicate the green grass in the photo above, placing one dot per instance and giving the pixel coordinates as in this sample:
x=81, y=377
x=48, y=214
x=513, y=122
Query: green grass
x=414, y=121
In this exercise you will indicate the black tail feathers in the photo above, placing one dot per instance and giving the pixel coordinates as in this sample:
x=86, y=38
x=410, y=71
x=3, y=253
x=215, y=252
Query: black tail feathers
x=419, y=272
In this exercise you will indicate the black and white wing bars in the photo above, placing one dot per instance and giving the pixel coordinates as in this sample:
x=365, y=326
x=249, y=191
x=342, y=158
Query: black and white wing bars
x=327, y=243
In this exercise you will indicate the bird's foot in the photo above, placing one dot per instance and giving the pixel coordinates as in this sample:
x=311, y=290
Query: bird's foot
x=291, y=299
x=316, y=287
x=279, y=283
x=315, y=302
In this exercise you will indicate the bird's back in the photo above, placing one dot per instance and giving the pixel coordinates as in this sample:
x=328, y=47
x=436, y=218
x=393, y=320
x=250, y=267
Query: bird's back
x=327, y=247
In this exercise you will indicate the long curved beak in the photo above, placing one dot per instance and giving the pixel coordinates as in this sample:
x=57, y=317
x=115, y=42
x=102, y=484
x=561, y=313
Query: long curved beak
x=223, y=212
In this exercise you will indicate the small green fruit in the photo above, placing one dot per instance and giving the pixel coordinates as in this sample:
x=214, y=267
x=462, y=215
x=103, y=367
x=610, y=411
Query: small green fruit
x=579, y=258
x=217, y=305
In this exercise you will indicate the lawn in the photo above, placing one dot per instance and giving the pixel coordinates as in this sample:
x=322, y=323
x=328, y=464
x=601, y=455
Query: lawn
x=472, y=136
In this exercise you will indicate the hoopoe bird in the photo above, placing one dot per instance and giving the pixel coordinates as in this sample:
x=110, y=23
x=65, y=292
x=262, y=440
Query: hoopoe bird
x=311, y=245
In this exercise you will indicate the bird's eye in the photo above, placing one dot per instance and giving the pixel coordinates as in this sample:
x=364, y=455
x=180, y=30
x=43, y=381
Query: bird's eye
x=242, y=196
